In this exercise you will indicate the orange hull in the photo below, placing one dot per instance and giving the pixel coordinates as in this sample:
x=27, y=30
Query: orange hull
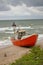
x=29, y=41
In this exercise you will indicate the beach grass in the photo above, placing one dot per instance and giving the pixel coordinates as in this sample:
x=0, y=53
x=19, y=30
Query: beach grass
x=35, y=57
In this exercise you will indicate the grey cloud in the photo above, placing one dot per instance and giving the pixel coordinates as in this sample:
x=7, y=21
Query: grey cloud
x=27, y=2
x=39, y=8
x=34, y=2
x=14, y=2
x=3, y=6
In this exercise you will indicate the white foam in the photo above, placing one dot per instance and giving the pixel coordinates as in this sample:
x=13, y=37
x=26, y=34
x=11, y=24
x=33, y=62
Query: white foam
x=29, y=27
x=11, y=28
x=40, y=36
x=9, y=32
x=40, y=40
x=5, y=42
x=6, y=28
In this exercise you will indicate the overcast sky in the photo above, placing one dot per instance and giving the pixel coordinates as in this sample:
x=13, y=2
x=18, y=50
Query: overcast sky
x=21, y=9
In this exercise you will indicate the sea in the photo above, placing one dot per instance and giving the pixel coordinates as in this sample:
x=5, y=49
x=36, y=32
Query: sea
x=31, y=26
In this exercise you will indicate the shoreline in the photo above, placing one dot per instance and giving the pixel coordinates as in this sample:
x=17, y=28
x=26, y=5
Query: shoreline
x=11, y=53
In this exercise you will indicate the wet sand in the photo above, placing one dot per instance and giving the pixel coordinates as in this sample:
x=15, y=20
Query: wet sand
x=11, y=53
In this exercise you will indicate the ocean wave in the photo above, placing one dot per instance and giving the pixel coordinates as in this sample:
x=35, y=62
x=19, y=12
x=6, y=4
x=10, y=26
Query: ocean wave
x=6, y=28
x=5, y=42
x=11, y=28
x=10, y=32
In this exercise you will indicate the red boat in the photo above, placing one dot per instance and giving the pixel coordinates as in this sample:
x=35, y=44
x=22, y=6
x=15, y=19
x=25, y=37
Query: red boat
x=28, y=41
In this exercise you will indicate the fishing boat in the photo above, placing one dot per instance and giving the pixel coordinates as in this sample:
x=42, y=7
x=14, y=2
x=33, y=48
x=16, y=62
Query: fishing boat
x=26, y=41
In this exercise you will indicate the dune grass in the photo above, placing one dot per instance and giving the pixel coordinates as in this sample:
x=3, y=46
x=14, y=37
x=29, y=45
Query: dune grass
x=35, y=57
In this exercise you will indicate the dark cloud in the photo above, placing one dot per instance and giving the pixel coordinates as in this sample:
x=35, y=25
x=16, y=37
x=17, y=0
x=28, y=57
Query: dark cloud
x=40, y=8
x=4, y=3
x=33, y=2
x=3, y=6
x=14, y=2
x=27, y=2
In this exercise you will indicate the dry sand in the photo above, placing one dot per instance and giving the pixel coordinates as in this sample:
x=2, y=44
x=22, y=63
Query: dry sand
x=11, y=53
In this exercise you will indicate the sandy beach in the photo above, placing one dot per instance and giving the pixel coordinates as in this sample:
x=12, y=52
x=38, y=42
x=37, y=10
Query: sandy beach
x=11, y=53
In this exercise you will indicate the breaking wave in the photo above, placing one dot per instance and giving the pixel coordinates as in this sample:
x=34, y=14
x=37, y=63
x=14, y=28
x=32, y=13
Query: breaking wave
x=11, y=28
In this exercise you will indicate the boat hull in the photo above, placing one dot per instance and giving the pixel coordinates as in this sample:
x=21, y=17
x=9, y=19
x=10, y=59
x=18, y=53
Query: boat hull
x=29, y=41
